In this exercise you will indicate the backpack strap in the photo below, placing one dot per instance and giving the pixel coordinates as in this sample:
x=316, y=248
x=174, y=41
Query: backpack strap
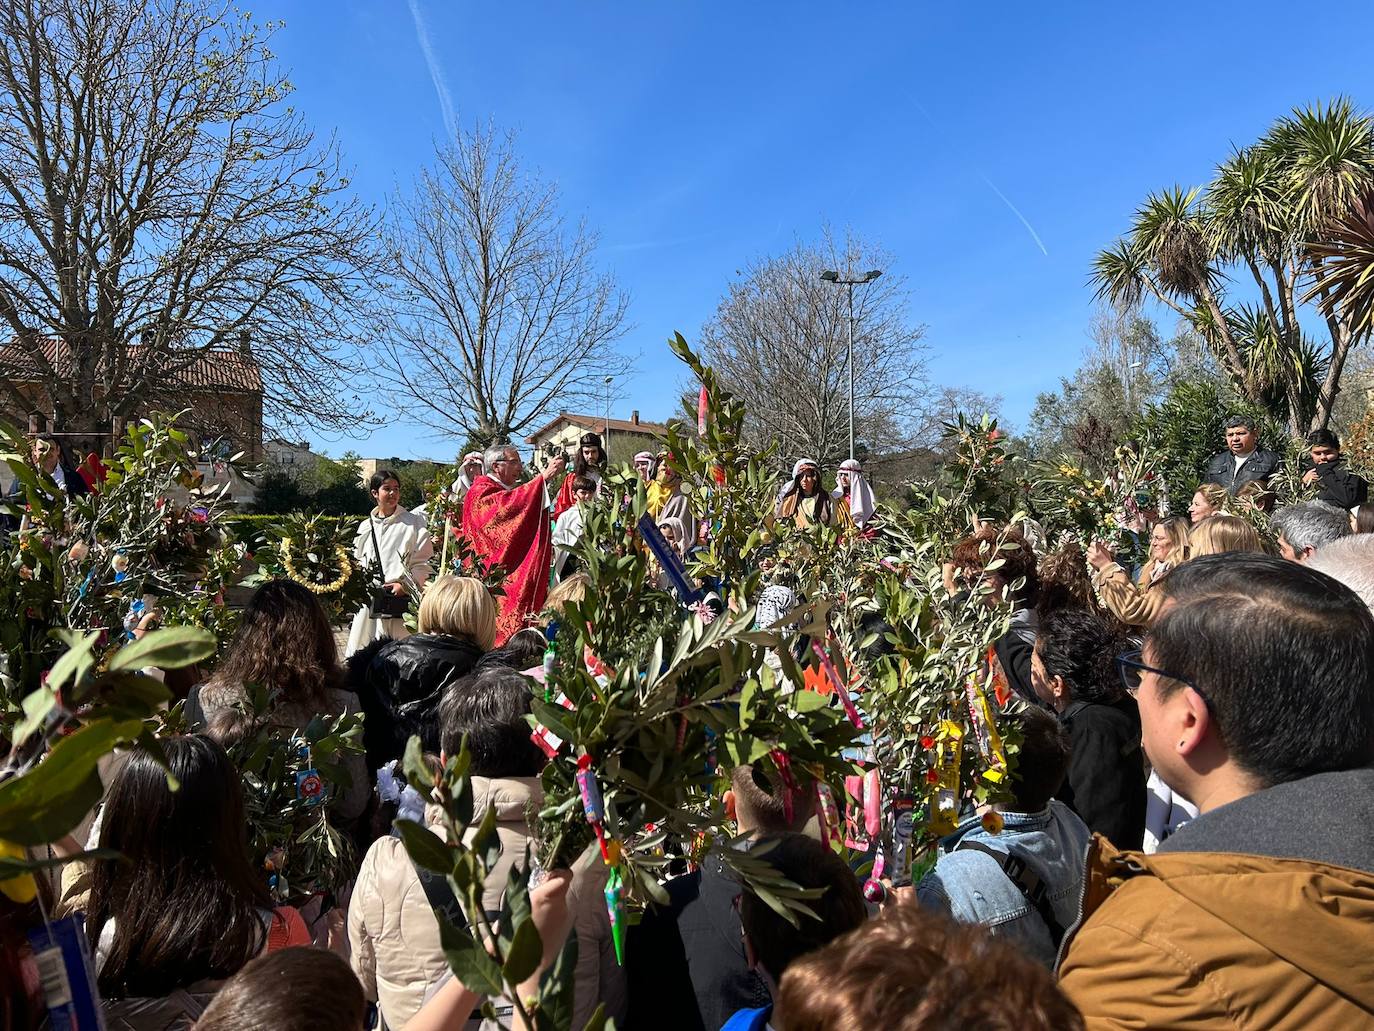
x=439, y=895
x=1027, y=881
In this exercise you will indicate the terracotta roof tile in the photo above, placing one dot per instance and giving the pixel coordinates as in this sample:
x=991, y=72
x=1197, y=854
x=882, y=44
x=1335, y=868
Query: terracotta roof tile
x=597, y=424
x=228, y=369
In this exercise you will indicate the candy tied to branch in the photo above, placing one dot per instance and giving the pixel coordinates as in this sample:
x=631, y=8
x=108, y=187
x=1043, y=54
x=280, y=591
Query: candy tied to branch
x=828, y=665
x=875, y=888
x=789, y=782
x=615, y=910
x=984, y=727
x=828, y=815
x=594, y=809
x=943, y=818
x=550, y=658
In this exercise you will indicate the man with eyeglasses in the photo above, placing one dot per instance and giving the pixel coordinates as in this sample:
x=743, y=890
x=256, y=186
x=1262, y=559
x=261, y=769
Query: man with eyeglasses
x=1256, y=695
x=507, y=523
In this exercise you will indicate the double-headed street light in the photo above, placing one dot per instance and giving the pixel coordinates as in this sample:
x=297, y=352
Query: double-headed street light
x=831, y=276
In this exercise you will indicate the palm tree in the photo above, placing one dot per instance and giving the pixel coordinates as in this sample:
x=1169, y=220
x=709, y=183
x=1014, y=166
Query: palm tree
x=1282, y=212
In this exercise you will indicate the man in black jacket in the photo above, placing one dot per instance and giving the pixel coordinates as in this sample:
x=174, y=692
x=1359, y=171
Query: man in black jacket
x=1339, y=486
x=1242, y=462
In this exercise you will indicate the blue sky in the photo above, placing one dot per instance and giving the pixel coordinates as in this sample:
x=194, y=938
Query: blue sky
x=696, y=136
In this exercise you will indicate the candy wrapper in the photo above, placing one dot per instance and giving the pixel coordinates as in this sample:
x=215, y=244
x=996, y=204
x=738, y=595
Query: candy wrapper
x=985, y=731
x=593, y=806
x=902, y=811
x=615, y=910
x=789, y=782
x=944, y=815
x=828, y=665
x=828, y=815
x=875, y=890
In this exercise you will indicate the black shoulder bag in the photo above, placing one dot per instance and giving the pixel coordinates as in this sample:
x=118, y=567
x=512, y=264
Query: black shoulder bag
x=385, y=603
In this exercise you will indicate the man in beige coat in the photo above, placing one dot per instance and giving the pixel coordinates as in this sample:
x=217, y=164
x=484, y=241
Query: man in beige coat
x=1256, y=693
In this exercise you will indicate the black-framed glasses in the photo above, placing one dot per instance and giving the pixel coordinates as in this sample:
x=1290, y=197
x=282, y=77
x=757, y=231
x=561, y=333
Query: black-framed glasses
x=1131, y=666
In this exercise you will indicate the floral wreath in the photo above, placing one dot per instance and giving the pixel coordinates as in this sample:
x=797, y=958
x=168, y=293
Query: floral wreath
x=345, y=569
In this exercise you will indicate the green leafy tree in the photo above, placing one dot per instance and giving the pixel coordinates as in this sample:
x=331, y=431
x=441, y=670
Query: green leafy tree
x=1241, y=258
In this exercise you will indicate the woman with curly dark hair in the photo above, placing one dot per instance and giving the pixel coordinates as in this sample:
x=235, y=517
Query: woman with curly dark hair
x=286, y=646
x=1073, y=671
x=1016, y=581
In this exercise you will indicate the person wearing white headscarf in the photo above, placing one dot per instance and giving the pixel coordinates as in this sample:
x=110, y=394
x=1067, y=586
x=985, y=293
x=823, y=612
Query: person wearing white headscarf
x=676, y=535
x=471, y=468
x=804, y=501
x=645, y=465
x=853, y=495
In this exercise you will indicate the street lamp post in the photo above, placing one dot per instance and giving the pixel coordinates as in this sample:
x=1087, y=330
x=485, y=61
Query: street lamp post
x=849, y=282
x=606, y=437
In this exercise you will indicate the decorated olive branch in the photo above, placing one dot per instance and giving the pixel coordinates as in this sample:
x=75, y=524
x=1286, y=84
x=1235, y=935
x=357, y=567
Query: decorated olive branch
x=92, y=701
x=292, y=780
x=492, y=956
x=147, y=536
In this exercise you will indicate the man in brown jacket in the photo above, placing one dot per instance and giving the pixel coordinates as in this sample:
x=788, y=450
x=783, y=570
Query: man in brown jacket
x=1256, y=693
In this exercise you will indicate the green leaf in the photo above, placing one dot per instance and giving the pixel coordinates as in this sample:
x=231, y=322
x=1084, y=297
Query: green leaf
x=809, y=701
x=551, y=716
x=75, y=662
x=172, y=647
x=474, y=967
x=417, y=771
x=425, y=847
x=555, y=997
x=36, y=705
x=49, y=800
x=526, y=949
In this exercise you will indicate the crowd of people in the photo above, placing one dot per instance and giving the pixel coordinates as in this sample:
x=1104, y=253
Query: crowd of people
x=1185, y=840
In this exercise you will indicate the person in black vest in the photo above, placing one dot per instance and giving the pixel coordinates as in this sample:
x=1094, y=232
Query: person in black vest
x=1242, y=462
x=1337, y=485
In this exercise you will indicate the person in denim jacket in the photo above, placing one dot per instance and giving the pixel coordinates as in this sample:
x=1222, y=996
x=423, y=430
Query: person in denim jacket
x=1041, y=841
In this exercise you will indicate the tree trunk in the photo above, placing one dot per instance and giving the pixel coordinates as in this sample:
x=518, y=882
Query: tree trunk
x=1341, y=341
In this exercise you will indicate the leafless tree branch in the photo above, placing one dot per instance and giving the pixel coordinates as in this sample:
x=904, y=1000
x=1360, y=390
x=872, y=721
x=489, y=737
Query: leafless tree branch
x=157, y=195
x=496, y=314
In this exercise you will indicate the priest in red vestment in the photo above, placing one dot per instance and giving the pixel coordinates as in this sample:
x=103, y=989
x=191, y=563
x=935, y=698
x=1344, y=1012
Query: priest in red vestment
x=508, y=524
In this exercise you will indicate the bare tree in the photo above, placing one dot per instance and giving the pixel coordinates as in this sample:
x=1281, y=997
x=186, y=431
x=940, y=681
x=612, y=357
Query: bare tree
x=778, y=340
x=496, y=312
x=157, y=198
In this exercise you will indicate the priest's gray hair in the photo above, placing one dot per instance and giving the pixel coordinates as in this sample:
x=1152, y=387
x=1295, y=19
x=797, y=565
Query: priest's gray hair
x=495, y=453
x=1351, y=561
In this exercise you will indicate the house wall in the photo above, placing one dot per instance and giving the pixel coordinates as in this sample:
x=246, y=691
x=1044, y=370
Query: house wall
x=235, y=416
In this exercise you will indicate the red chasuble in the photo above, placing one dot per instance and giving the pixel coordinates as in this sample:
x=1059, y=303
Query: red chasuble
x=511, y=528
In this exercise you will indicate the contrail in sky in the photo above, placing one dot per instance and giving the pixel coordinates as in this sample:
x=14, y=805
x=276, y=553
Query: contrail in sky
x=436, y=73
x=1029, y=228
x=991, y=185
